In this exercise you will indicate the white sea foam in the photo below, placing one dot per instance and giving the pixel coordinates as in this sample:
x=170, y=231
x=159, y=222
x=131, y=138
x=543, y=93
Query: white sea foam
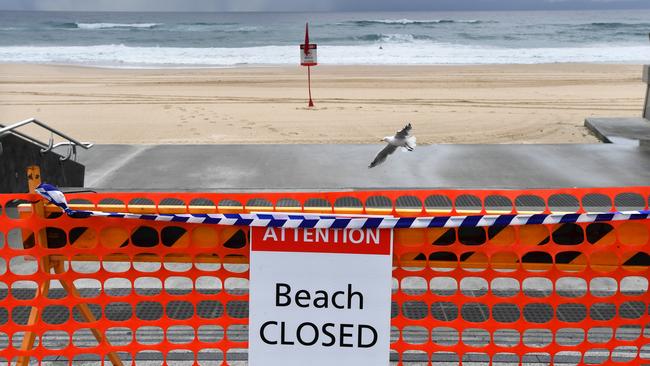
x=397, y=38
x=413, y=53
x=414, y=21
x=115, y=25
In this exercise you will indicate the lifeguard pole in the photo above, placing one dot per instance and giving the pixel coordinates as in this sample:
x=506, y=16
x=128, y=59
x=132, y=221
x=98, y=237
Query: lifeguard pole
x=308, y=58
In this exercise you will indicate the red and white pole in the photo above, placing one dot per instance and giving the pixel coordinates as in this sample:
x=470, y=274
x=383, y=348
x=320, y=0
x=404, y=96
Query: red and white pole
x=311, y=102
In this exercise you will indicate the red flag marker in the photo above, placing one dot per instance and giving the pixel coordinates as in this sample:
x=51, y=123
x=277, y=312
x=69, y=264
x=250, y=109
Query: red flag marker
x=306, y=38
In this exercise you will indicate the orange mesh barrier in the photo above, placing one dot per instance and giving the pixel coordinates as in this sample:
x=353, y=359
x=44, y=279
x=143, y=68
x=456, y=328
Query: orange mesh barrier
x=107, y=290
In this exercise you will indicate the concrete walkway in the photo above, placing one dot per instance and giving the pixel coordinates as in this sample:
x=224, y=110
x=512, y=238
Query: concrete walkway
x=630, y=131
x=334, y=167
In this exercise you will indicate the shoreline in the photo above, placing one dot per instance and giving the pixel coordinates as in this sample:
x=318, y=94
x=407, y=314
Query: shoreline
x=208, y=67
x=450, y=104
x=286, y=65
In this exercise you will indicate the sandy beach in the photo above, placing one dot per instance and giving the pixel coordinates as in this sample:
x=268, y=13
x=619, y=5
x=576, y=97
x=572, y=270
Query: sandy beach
x=354, y=104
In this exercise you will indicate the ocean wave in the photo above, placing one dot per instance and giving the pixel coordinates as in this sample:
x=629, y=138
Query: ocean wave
x=245, y=29
x=608, y=27
x=181, y=27
x=63, y=25
x=427, y=53
x=617, y=25
x=379, y=37
x=416, y=22
x=116, y=25
x=213, y=28
x=209, y=23
x=488, y=37
x=73, y=25
x=208, y=27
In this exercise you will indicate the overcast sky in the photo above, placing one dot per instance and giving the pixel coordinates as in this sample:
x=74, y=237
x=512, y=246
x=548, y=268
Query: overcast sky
x=315, y=5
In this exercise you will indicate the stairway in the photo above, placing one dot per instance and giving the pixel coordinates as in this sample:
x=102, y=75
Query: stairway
x=19, y=151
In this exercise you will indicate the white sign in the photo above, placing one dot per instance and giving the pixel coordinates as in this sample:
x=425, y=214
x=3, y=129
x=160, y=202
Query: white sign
x=308, y=58
x=320, y=296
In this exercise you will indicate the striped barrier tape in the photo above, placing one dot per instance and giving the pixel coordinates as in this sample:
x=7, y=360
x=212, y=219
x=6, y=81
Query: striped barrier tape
x=56, y=197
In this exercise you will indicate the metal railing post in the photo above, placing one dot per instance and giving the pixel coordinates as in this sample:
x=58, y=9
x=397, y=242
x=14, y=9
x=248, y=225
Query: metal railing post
x=71, y=142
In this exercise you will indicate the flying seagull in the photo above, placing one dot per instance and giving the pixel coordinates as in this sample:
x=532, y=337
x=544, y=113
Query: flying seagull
x=401, y=139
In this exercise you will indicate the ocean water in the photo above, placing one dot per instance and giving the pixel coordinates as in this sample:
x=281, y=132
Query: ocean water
x=227, y=39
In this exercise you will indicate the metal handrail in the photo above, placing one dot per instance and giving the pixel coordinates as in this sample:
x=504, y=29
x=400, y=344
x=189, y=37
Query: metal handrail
x=46, y=147
x=27, y=137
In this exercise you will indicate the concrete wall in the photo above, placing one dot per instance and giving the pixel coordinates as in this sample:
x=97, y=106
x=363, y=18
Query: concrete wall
x=17, y=154
x=646, y=79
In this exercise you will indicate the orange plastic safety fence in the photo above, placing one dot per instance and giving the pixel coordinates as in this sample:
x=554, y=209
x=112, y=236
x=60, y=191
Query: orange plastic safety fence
x=161, y=292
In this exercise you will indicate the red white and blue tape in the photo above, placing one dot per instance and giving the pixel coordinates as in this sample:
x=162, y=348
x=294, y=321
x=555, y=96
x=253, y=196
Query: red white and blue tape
x=273, y=219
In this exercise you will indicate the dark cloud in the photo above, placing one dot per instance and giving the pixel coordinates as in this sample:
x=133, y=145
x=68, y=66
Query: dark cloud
x=321, y=5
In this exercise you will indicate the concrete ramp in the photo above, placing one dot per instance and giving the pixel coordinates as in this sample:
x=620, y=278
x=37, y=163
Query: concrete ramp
x=334, y=167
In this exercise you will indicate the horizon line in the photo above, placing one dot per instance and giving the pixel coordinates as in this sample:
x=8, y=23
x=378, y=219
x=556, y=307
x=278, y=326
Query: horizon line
x=643, y=7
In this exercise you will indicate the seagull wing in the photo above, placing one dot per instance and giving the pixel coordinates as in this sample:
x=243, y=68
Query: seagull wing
x=403, y=134
x=382, y=155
